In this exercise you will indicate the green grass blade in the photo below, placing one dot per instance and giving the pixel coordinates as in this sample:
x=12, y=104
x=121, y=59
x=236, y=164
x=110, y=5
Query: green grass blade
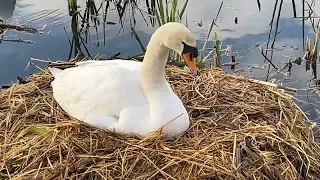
x=177, y=18
x=137, y=56
x=218, y=55
x=167, y=12
x=158, y=17
x=72, y=5
x=183, y=9
x=210, y=30
x=209, y=33
x=161, y=11
x=219, y=11
x=36, y=130
x=315, y=48
x=213, y=23
x=173, y=10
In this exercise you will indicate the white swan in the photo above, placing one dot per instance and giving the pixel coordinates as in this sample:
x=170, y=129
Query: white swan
x=129, y=96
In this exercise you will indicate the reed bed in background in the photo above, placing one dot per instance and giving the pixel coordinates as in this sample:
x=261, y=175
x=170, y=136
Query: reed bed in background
x=239, y=130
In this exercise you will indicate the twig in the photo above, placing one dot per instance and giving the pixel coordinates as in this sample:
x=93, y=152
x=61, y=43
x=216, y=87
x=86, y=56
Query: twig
x=138, y=39
x=111, y=57
x=18, y=41
x=268, y=59
x=68, y=37
x=230, y=63
x=115, y=55
x=5, y=86
x=255, y=158
x=18, y=28
x=265, y=83
x=61, y=64
x=2, y=33
x=177, y=63
x=294, y=9
x=40, y=60
x=259, y=5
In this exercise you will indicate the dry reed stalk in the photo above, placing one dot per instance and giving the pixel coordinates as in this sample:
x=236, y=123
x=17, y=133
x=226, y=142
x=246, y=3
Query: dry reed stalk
x=239, y=130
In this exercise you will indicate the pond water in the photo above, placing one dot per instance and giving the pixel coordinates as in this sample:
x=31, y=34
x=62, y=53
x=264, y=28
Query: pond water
x=253, y=27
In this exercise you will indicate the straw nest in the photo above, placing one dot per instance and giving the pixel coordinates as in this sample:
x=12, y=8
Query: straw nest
x=239, y=130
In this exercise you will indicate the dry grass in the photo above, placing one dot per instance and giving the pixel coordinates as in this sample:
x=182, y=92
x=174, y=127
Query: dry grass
x=240, y=130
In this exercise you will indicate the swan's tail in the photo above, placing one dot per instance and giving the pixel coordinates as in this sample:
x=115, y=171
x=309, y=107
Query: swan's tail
x=55, y=71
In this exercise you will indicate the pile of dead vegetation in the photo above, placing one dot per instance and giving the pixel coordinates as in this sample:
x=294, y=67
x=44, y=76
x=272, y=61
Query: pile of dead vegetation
x=240, y=130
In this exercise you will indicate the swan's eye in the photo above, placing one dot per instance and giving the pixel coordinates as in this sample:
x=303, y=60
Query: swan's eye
x=189, y=49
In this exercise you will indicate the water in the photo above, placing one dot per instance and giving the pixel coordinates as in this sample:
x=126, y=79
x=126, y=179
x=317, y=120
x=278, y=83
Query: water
x=252, y=28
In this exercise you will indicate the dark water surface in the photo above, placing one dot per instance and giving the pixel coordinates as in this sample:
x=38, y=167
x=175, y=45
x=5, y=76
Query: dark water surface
x=253, y=27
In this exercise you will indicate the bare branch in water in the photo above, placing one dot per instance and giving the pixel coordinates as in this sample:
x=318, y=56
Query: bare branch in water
x=18, y=41
x=138, y=39
x=18, y=28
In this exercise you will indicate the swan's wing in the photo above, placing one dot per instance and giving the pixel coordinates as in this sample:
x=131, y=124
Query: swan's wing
x=94, y=63
x=55, y=71
x=102, y=87
x=127, y=64
x=116, y=62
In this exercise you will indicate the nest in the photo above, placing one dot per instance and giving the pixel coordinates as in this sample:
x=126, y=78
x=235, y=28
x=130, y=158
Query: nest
x=239, y=130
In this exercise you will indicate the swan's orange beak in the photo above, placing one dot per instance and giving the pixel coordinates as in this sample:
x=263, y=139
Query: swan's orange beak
x=191, y=63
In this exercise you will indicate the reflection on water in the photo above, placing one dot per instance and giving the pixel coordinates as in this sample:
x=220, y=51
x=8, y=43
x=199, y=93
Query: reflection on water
x=252, y=27
x=6, y=8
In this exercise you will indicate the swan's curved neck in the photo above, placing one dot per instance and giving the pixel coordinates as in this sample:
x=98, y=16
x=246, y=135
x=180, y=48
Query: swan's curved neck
x=154, y=62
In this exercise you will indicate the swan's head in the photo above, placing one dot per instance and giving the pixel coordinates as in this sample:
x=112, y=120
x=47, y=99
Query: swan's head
x=178, y=37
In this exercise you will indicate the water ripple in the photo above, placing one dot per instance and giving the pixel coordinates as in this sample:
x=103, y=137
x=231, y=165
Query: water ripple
x=52, y=17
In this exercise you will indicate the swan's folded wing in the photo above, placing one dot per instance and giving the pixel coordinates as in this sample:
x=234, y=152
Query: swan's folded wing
x=106, y=89
x=133, y=65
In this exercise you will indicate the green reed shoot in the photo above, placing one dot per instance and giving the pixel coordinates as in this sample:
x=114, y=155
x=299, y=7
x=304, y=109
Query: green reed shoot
x=213, y=23
x=72, y=5
x=316, y=44
x=217, y=58
x=73, y=12
x=169, y=12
